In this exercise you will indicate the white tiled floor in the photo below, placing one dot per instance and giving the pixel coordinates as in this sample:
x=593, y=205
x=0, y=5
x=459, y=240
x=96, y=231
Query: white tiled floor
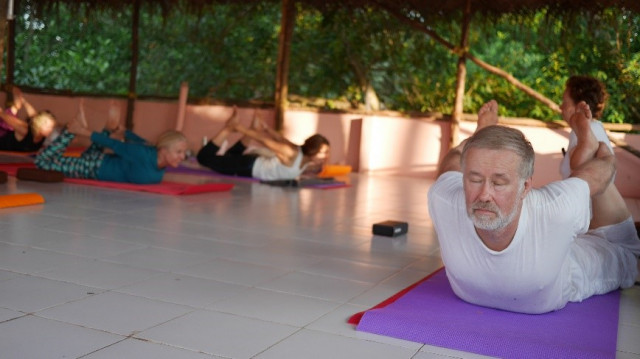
x=258, y=272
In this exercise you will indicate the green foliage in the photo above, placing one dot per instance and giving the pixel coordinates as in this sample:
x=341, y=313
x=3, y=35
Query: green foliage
x=543, y=52
x=62, y=51
x=227, y=52
x=230, y=51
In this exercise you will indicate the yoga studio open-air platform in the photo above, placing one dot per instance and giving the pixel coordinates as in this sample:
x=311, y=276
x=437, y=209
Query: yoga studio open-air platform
x=261, y=271
x=259, y=179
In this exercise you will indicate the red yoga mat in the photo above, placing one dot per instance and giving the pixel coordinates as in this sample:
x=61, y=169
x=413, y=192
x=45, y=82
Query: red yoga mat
x=169, y=188
x=12, y=168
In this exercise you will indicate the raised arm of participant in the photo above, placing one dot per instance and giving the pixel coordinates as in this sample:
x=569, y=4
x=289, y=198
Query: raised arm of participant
x=20, y=101
x=274, y=134
x=20, y=127
x=132, y=137
x=284, y=150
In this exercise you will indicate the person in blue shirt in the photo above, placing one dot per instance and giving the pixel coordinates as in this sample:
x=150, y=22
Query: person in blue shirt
x=132, y=160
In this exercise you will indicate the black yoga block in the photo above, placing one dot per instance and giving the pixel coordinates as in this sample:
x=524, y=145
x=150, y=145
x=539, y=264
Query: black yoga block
x=390, y=228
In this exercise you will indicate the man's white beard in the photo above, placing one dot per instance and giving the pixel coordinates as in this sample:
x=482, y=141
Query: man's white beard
x=500, y=221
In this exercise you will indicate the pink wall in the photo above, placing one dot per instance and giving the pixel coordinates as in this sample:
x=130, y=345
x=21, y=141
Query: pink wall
x=390, y=145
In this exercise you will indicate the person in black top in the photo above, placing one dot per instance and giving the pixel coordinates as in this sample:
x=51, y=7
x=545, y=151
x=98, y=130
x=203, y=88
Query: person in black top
x=24, y=136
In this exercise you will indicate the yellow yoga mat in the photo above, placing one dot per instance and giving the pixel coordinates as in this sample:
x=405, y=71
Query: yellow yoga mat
x=20, y=199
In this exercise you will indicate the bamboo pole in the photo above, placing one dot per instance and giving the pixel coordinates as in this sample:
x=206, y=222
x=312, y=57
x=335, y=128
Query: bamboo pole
x=284, y=51
x=3, y=30
x=11, y=49
x=460, y=78
x=133, y=73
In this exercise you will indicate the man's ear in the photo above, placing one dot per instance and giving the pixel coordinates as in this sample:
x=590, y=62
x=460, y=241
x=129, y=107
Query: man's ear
x=528, y=183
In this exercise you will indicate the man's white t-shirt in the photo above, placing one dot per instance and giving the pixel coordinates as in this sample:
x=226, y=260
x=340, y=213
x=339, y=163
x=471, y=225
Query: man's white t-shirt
x=533, y=274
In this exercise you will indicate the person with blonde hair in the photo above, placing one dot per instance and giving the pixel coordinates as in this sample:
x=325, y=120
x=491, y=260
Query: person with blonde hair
x=131, y=160
x=24, y=136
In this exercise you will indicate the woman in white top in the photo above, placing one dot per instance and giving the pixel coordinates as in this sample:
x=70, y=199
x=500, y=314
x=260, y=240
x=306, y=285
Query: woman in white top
x=286, y=160
x=608, y=207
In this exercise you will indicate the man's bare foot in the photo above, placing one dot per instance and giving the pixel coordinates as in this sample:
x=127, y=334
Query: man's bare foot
x=587, y=142
x=488, y=114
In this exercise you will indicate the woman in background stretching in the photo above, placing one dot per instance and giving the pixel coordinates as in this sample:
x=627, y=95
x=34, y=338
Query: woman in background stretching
x=287, y=160
x=609, y=207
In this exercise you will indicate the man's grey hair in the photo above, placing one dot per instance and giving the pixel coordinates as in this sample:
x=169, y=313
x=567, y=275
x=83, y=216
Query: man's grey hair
x=503, y=138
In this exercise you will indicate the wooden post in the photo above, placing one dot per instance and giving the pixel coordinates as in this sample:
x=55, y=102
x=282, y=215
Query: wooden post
x=3, y=31
x=284, y=50
x=133, y=73
x=11, y=49
x=460, y=78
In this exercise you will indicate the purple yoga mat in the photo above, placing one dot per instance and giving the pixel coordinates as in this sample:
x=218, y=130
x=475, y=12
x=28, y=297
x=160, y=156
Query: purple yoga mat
x=431, y=314
x=203, y=171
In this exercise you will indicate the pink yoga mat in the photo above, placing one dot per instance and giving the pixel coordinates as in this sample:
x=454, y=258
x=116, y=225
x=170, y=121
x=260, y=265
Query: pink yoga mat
x=430, y=313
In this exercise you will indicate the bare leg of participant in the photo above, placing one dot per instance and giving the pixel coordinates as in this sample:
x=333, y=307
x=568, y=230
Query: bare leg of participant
x=113, y=122
x=587, y=145
x=78, y=125
x=81, y=117
x=229, y=127
x=256, y=125
x=609, y=206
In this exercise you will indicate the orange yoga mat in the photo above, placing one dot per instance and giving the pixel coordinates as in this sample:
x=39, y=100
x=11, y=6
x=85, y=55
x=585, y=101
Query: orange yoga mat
x=20, y=199
x=334, y=170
